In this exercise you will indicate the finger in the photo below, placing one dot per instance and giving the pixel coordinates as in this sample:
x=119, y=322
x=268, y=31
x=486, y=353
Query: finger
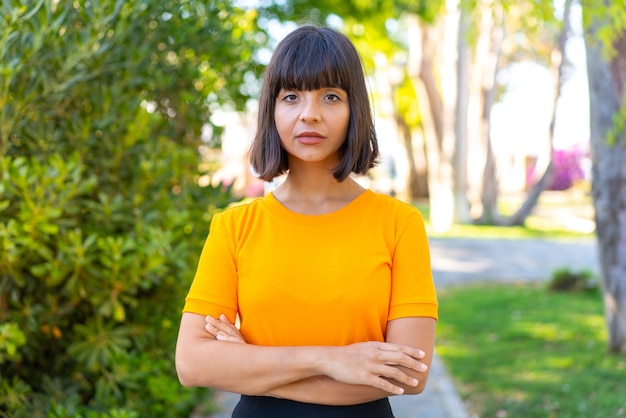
x=220, y=324
x=408, y=362
x=416, y=353
x=400, y=376
x=230, y=331
x=211, y=330
x=225, y=319
x=229, y=338
x=388, y=387
x=215, y=326
x=221, y=335
x=401, y=359
x=213, y=321
x=229, y=325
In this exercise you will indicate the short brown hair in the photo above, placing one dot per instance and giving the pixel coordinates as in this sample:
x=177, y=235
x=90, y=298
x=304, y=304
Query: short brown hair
x=311, y=58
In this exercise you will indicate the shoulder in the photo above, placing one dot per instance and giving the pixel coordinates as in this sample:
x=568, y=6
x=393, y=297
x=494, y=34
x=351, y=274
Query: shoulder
x=241, y=208
x=239, y=212
x=395, y=207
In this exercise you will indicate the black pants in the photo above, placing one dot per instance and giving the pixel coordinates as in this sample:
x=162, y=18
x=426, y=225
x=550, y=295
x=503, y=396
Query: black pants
x=268, y=407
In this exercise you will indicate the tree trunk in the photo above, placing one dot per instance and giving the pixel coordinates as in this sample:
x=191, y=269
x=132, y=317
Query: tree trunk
x=416, y=156
x=606, y=96
x=461, y=202
x=519, y=217
x=422, y=74
x=489, y=194
x=482, y=98
x=417, y=183
x=438, y=153
x=441, y=181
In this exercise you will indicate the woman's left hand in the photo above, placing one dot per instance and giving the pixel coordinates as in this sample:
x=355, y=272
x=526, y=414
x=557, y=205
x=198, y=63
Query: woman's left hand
x=223, y=330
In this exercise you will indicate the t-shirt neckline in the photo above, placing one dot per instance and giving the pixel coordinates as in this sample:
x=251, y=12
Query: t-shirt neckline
x=343, y=213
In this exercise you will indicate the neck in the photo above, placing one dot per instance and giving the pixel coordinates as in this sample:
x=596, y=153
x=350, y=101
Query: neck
x=316, y=192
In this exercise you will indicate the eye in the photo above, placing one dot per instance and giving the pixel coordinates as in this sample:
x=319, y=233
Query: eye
x=290, y=97
x=331, y=97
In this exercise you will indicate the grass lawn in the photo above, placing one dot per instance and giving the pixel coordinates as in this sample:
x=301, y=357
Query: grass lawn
x=523, y=351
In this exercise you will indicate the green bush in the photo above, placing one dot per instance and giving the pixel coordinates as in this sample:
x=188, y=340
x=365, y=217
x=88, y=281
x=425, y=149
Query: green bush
x=95, y=283
x=101, y=216
x=566, y=280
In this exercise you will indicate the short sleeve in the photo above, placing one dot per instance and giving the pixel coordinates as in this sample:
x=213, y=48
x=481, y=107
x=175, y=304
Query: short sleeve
x=413, y=290
x=214, y=287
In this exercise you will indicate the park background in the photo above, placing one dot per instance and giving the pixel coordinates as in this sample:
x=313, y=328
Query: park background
x=123, y=127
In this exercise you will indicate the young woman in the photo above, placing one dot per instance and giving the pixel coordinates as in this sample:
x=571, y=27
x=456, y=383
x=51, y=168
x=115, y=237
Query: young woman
x=331, y=282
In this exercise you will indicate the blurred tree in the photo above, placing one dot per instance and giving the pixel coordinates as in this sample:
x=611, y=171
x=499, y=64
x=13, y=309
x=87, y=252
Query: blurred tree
x=505, y=24
x=605, y=25
x=102, y=105
x=458, y=87
x=476, y=40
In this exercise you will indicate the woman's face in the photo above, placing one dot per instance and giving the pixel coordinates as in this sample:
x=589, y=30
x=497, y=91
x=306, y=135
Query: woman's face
x=312, y=124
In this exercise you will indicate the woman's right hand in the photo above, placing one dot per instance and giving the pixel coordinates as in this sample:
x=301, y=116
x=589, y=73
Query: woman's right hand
x=375, y=364
x=222, y=329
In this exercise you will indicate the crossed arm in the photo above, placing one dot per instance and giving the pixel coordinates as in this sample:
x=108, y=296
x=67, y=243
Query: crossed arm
x=210, y=352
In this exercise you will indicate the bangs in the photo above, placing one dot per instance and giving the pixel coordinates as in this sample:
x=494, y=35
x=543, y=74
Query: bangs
x=311, y=65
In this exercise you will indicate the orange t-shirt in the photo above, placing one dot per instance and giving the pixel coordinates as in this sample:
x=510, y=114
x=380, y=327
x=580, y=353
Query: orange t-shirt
x=331, y=279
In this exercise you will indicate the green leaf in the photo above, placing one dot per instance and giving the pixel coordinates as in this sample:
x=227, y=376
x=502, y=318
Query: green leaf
x=33, y=11
x=40, y=270
x=11, y=338
x=48, y=229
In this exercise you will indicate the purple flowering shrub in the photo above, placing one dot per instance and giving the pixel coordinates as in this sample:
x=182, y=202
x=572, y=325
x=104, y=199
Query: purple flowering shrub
x=568, y=167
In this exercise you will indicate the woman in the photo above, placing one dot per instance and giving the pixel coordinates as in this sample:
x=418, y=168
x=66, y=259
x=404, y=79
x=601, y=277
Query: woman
x=331, y=282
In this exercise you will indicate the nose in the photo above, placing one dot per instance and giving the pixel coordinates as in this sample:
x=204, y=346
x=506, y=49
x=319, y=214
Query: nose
x=310, y=110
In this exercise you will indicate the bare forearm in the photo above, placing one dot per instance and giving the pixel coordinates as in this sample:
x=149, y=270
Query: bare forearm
x=201, y=360
x=243, y=368
x=327, y=391
x=417, y=332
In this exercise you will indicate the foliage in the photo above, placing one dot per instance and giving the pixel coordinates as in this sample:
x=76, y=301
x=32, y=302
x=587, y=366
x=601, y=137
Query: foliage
x=565, y=280
x=519, y=351
x=613, y=17
x=101, y=217
x=532, y=30
x=619, y=126
x=605, y=24
x=369, y=24
x=11, y=338
x=181, y=60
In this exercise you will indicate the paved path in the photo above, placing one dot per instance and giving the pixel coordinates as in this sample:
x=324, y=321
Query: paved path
x=458, y=261
x=462, y=260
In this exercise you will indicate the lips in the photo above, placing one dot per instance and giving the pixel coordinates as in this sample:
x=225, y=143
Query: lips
x=309, y=137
